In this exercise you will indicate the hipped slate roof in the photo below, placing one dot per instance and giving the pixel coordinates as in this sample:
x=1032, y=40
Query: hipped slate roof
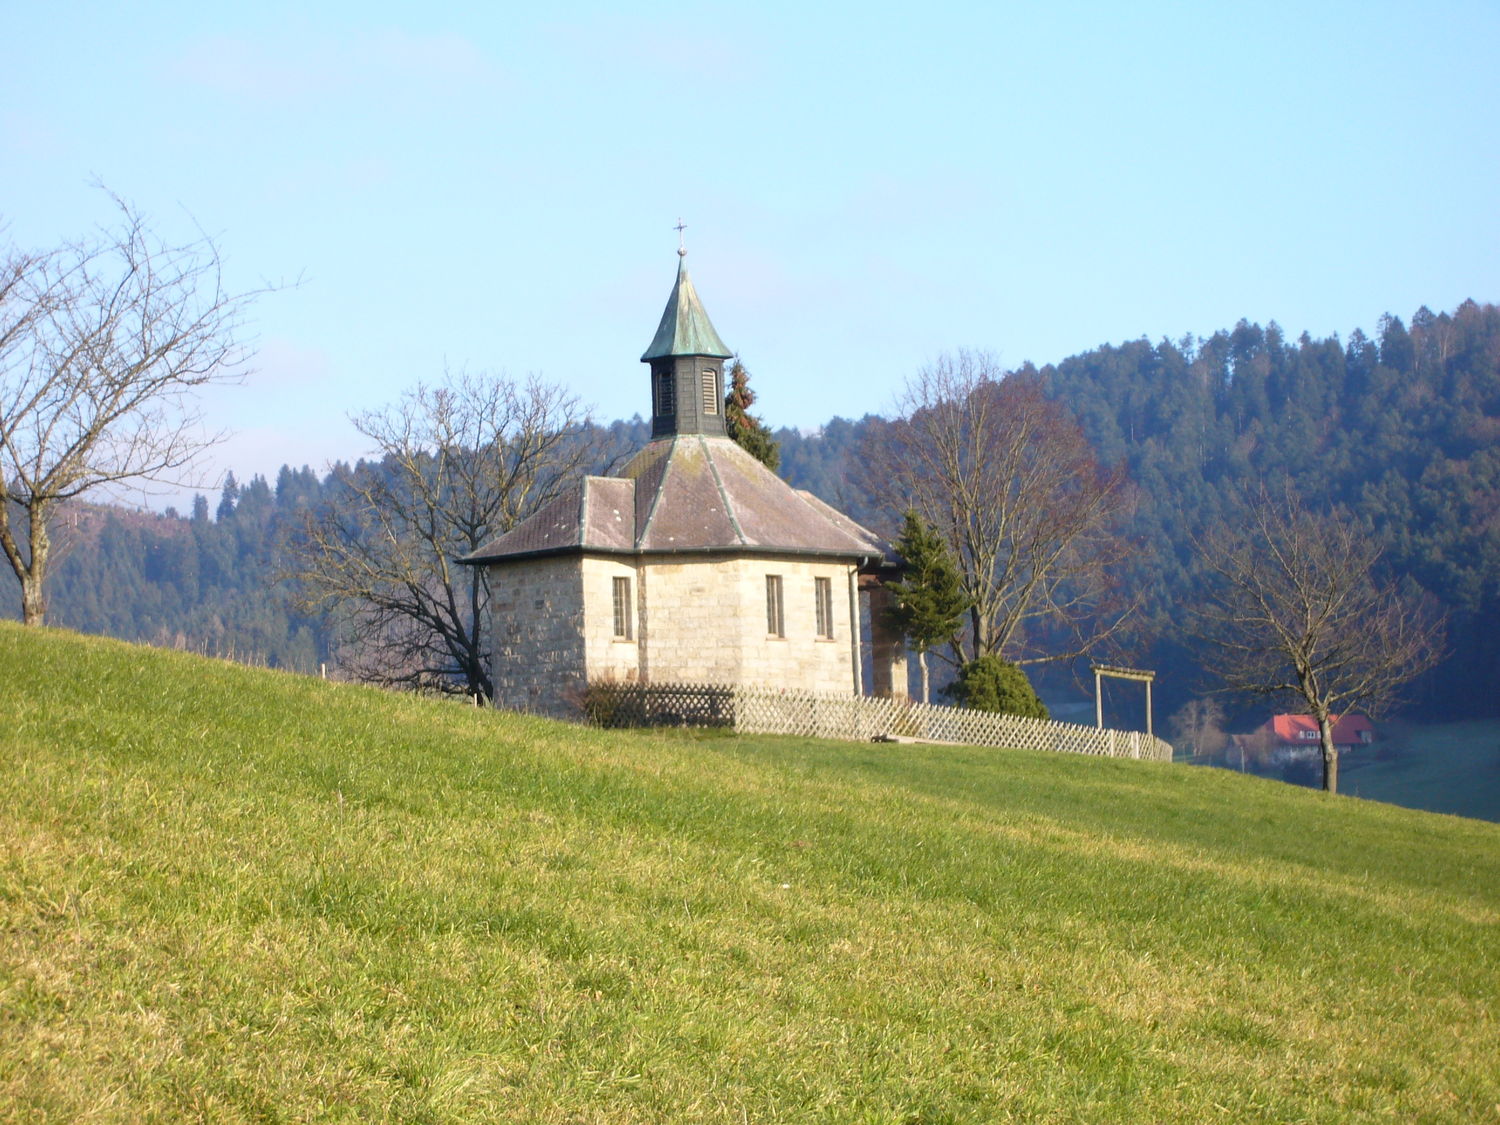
x=689, y=493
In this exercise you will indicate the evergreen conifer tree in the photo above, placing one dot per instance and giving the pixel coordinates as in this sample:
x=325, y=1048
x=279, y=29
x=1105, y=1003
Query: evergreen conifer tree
x=998, y=686
x=930, y=601
x=748, y=431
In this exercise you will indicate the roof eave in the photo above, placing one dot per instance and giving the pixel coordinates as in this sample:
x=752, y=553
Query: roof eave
x=864, y=560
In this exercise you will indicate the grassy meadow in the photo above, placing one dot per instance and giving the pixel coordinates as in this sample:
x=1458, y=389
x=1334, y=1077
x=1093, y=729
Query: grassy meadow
x=234, y=895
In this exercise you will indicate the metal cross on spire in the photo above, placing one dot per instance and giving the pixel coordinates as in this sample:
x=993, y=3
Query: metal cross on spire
x=681, y=243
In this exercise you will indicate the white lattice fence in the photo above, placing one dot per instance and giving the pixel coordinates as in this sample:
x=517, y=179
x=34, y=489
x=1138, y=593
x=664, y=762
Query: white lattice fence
x=814, y=715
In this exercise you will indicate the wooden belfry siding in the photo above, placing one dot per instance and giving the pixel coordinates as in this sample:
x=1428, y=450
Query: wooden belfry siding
x=691, y=402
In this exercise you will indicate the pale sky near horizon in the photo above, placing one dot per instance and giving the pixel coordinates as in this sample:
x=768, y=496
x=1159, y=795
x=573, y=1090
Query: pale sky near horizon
x=864, y=185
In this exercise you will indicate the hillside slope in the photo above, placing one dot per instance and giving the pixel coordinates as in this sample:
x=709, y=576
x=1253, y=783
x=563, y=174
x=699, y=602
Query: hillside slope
x=239, y=895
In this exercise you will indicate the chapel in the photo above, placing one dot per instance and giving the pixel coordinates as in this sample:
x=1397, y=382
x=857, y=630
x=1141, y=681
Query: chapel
x=694, y=564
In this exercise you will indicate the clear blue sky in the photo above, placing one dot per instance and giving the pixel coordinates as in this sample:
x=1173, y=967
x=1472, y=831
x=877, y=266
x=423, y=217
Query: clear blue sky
x=865, y=185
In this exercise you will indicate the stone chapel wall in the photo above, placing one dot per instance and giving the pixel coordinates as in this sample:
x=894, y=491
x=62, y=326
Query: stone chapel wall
x=690, y=620
x=707, y=622
x=610, y=655
x=537, y=635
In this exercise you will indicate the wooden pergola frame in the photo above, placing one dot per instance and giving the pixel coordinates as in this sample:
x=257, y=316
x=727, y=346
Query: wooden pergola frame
x=1140, y=674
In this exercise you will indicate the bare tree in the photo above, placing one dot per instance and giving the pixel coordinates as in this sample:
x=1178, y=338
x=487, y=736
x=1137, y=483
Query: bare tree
x=1007, y=477
x=1296, y=613
x=103, y=343
x=1199, y=725
x=458, y=463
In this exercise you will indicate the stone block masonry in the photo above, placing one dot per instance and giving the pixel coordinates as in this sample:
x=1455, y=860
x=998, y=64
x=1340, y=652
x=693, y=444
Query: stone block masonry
x=707, y=622
x=537, y=636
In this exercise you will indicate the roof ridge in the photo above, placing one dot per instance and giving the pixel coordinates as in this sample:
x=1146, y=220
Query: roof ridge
x=734, y=520
x=661, y=487
x=808, y=500
x=583, y=511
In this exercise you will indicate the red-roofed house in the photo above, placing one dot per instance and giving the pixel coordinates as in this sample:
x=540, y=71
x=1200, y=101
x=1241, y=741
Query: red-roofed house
x=1349, y=731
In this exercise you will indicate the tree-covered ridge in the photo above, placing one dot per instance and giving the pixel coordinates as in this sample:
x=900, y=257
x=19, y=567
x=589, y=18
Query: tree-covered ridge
x=1401, y=430
x=1404, y=429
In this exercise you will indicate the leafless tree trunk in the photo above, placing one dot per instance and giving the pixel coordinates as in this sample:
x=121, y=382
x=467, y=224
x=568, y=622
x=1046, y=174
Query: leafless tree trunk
x=458, y=464
x=1008, y=478
x=102, y=346
x=1297, y=613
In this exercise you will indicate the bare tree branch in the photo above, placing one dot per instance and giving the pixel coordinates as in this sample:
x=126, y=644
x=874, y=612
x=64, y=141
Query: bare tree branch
x=1010, y=481
x=458, y=463
x=103, y=345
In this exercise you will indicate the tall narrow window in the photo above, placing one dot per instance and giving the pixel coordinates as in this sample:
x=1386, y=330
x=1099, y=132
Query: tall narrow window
x=622, y=608
x=710, y=393
x=775, y=619
x=823, y=594
x=666, y=404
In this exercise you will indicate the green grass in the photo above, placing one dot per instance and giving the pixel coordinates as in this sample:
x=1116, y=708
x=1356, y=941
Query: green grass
x=236, y=895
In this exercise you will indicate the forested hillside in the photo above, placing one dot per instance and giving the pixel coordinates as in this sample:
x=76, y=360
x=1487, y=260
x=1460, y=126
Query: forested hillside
x=211, y=581
x=1404, y=429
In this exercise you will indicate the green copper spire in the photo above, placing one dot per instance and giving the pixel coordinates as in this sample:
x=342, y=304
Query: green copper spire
x=685, y=328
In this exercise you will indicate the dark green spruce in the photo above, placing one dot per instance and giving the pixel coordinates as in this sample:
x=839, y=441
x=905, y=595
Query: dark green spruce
x=748, y=431
x=929, y=602
x=992, y=684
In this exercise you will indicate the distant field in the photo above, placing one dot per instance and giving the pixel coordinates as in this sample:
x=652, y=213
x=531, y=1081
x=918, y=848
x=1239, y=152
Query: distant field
x=1448, y=767
x=233, y=895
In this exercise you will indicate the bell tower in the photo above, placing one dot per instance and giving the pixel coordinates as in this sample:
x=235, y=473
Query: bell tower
x=687, y=364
